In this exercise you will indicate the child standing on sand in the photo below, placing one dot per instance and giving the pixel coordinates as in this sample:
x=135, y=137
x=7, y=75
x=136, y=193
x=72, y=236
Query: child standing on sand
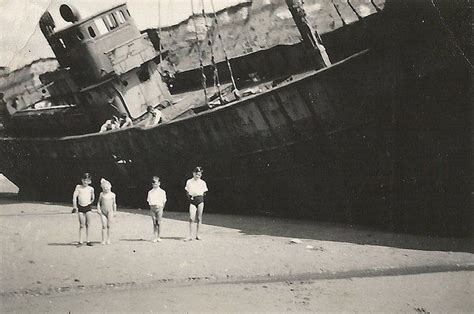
x=107, y=207
x=82, y=200
x=195, y=188
x=157, y=201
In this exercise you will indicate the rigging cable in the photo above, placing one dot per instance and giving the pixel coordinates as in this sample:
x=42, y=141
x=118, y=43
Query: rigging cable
x=234, y=87
x=217, y=83
x=159, y=31
x=375, y=5
x=359, y=17
x=452, y=36
x=339, y=13
x=203, y=75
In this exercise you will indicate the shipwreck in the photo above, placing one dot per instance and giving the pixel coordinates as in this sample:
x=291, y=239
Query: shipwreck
x=370, y=124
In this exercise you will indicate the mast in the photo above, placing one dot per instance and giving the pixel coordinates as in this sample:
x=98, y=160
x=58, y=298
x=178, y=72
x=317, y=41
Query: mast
x=217, y=82
x=159, y=32
x=203, y=75
x=339, y=13
x=311, y=39
x=234, y=86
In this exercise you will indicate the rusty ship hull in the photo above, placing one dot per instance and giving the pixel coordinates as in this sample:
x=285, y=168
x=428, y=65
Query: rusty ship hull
x=379, y=138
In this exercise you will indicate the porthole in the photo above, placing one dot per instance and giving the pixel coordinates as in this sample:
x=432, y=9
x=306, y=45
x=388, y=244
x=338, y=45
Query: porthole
x=79, y=35
x=91, y=31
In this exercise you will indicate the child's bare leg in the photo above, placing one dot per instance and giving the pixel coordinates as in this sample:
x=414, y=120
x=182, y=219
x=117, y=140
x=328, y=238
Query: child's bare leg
x=103, y=219
x=82, y=220
x=159, y=217
x=200, y=209
x=109, y=223
x=155, y=223
x=158, y=230
x=88, y=219
x=190, y=229
x=192, y=217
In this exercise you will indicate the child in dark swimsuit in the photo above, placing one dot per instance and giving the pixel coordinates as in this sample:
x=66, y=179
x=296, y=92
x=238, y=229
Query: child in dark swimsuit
x=82, y=200
x=195, y=188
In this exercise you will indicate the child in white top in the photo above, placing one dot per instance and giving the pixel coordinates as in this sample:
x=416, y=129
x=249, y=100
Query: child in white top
x=107, y=207
x=157, y=201
x=195, y=188
x=82, y=200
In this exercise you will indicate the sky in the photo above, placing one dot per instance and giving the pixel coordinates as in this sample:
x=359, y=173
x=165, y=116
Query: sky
x=19, y=30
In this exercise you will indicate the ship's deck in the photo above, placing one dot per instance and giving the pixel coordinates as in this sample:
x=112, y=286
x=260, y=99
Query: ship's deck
x=185, y=102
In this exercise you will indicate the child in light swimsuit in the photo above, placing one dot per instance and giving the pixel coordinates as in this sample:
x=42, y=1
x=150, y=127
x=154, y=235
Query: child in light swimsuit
x=106, y=207
x=157, y=201
x=82, y=200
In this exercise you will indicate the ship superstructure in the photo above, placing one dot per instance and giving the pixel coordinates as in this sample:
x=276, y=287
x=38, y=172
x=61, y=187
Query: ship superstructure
x=107, y=68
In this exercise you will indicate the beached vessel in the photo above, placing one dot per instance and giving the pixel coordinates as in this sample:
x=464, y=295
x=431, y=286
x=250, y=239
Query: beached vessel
x=381, y=137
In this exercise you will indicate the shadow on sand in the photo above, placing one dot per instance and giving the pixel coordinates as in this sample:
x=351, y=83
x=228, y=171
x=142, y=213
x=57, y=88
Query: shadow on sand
x=301, y=229
x=9, y=198
x=14, y=198
x=92, y=243
x=323, y=231
x=65, y=244
x=135, y=240
x=147, y=240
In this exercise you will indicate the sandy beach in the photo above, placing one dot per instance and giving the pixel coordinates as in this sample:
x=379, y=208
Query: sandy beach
x=41, y=261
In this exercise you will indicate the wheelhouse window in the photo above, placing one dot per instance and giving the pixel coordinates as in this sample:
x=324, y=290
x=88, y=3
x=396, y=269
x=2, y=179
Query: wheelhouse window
x=114, y=19
x=110, y=21
x=101, y=27
x=121, y=17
